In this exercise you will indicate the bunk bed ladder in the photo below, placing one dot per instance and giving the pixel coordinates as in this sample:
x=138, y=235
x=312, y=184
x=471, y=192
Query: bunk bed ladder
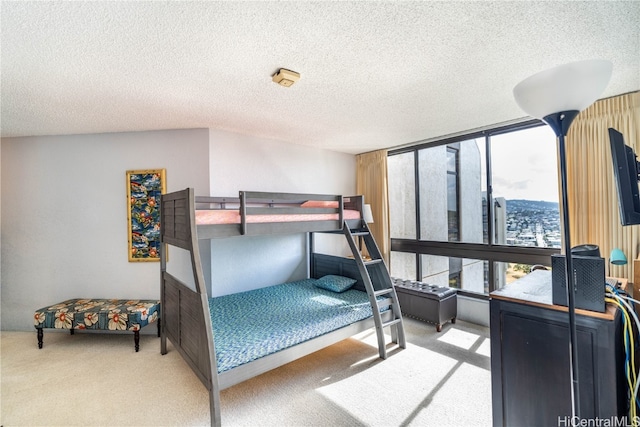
x=377, y=282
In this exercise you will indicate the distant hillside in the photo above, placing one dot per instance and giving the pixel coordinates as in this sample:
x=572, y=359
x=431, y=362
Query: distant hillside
x=531, y=205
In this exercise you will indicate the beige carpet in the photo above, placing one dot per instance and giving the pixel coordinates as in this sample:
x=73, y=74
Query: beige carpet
x=91, y=379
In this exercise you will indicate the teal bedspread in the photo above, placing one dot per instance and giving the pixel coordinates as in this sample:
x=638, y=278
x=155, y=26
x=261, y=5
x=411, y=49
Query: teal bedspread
x=250, y=325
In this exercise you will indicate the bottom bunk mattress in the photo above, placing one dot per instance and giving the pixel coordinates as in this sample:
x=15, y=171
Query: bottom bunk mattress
x=253, y=324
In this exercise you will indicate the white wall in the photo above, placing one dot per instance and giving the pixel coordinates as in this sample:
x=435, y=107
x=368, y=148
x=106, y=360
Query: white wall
x=242, y=163
x=0, y=234
x=64, y=219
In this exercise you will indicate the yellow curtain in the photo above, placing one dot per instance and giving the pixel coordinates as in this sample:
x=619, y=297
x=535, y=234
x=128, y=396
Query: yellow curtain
x=592, y=194
x=371, y=182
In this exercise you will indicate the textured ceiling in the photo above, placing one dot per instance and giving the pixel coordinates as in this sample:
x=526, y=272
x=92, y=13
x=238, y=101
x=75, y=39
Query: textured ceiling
x=373, y=74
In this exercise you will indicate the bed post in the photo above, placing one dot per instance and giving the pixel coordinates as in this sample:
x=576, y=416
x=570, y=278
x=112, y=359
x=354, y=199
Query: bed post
x=243, y=213
x=309, y=255
x=185, y=310
x=198, y=275
x=163, y=268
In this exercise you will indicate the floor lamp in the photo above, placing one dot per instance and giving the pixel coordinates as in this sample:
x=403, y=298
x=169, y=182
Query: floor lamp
x=556, y=96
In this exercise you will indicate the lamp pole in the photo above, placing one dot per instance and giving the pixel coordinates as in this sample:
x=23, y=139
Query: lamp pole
x=560, y=123
x=556, y=96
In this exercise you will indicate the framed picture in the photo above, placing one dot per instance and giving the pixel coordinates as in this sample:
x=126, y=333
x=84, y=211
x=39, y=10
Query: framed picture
x=144, y=188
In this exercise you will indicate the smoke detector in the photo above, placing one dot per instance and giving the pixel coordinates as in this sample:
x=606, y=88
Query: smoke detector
x=285, y=77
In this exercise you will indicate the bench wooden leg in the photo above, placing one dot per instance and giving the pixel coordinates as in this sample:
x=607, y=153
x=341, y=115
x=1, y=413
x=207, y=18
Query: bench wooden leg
x=136, y=339
x=40, y=335
x=158, y=322
x=72, y=331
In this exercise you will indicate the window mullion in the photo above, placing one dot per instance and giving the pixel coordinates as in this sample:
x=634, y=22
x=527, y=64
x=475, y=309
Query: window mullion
x=416, y=174
x=490, y=207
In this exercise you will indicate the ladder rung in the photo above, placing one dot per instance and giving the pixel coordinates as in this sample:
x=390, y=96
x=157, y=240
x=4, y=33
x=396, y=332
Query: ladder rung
x=360, y=233
x=383, y=292
x=373, y=261
x=385, y=302
x=391, y=322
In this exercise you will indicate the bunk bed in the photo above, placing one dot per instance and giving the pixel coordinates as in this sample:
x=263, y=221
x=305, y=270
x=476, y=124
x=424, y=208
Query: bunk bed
x=229, y=339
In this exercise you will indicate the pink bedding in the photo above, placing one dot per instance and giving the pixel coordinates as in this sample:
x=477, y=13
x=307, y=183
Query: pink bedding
x=233, y=217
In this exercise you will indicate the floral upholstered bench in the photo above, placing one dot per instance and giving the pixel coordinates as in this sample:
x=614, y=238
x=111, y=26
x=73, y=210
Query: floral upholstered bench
x=99, y=314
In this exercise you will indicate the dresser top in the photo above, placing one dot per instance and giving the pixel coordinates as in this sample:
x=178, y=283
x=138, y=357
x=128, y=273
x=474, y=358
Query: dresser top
x=535, y=289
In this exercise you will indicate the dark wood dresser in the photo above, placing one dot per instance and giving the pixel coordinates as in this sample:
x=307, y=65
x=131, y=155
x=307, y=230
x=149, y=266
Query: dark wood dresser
x=530, y=371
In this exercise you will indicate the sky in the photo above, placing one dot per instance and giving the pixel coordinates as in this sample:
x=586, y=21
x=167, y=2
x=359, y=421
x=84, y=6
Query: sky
x=524, y=164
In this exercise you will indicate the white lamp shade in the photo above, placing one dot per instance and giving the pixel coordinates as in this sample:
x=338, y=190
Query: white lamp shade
x=568, y=87
x=367, y=215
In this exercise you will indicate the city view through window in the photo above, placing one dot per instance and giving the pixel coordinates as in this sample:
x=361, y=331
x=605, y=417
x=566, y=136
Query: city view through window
x=438, y=199
x=524, y=166
x=530, y=189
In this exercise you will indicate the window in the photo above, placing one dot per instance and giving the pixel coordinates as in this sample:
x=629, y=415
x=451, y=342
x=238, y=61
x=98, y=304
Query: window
x=402, y=195
x=453, y=192
x=455, y=270
x=525, y=178
x=402, y=265
x=451, y=186
x=465, y=274
x=465, y=212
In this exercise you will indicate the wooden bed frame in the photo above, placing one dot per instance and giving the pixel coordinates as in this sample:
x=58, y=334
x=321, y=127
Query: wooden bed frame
x=185, y=319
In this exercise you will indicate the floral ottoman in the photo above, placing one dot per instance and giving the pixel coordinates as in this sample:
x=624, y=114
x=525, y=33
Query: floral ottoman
x=99, y=314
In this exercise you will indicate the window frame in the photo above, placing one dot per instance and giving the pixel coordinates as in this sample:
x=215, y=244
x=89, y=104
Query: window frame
x=489, y=251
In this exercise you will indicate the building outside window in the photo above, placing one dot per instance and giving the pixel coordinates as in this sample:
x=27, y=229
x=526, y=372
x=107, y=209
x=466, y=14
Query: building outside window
x=474, y=212
x=453, y=192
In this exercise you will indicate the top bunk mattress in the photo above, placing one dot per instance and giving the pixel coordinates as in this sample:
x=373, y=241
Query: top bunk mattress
x=232, y=216
x=253, y=324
